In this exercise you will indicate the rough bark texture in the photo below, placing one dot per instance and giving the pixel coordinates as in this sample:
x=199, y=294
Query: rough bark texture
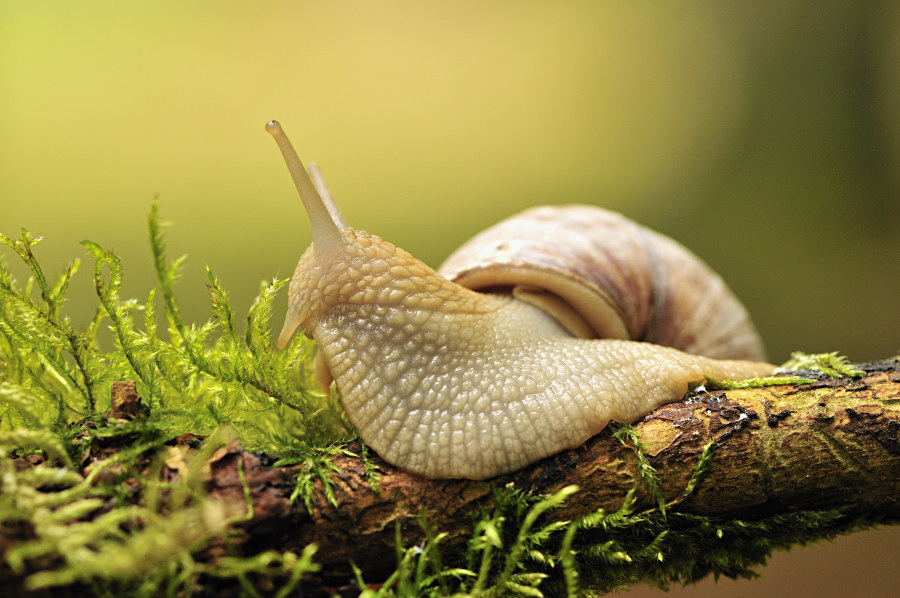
x=776, y=449
x=834, y=442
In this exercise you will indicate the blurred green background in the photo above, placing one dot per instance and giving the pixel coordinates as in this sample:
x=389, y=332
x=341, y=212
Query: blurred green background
x=764, y=136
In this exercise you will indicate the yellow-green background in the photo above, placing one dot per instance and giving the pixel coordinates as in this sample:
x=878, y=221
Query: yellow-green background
x=764, y=136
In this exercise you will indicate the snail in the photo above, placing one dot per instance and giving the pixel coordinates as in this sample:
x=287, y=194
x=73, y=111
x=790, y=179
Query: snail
x=504, y=366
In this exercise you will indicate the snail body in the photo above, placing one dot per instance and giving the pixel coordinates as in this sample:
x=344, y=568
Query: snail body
x=448, y=382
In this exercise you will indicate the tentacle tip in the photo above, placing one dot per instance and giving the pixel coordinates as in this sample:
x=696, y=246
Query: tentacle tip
x=287, y=331
x=283, y=339
x=273, y=128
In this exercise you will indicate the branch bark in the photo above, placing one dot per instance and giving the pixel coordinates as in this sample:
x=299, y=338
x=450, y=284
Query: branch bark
x=834, y=442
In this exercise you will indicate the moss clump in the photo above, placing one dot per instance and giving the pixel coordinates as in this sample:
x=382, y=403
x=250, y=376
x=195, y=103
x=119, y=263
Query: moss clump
x=519, y=549
x=72, y=526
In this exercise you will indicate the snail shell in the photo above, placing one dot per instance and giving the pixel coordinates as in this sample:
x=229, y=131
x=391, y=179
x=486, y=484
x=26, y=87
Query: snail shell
x=620, y=279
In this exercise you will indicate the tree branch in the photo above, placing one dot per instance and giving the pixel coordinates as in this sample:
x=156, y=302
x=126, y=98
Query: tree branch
x=830, y=444
x=775, y=450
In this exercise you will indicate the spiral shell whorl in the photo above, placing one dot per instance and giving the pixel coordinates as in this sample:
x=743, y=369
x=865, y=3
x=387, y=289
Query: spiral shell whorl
x=625, y=280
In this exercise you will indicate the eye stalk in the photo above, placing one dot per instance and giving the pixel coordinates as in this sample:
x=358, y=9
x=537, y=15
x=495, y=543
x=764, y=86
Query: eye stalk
x=325, y=220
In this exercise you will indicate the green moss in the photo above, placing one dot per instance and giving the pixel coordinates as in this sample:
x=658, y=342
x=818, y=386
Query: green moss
x=518, y=549
x=199, y=378
x=830, y=364
x=626, y=432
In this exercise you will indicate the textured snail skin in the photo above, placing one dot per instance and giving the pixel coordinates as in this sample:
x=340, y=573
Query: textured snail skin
x=446, y=382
